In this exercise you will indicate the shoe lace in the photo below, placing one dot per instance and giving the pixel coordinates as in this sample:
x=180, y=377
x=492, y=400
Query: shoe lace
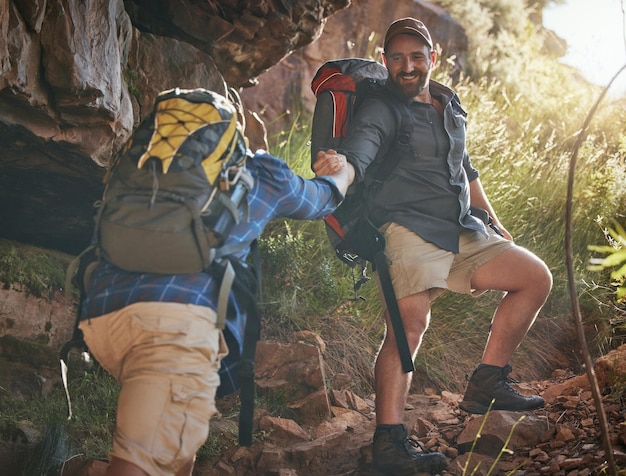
x=506, y=383
x=506, y=378
x=412, y=444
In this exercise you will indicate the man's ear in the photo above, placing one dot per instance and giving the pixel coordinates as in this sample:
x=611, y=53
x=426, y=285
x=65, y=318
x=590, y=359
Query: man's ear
x=433, y=56
x=384, y=59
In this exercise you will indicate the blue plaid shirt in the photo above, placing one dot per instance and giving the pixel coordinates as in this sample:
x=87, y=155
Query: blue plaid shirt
x=277, y=192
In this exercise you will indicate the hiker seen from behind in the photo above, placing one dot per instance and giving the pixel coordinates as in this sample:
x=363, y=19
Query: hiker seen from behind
x=157, y=332
x=441, y=233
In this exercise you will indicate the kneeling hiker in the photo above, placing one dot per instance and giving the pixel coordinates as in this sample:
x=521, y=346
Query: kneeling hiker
x=157, y=332
x=441, y=232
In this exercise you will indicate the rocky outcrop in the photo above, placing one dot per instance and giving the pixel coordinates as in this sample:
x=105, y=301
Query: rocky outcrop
x=562, y=438
x=45, y=319
x=243, y=38
x=77, y=77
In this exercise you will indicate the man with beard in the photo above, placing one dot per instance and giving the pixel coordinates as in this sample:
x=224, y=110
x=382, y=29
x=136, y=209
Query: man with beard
x=441, y=233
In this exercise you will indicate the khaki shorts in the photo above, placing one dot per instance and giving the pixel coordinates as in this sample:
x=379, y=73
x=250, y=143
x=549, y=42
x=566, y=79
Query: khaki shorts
x=166, y=358
x=417, y=265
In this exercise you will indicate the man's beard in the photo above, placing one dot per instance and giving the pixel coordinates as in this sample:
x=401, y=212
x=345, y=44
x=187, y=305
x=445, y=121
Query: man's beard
x=411, y=90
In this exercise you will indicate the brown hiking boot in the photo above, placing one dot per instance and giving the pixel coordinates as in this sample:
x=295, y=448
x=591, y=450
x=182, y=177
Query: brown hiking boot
x=396, y=454
x=489, y=382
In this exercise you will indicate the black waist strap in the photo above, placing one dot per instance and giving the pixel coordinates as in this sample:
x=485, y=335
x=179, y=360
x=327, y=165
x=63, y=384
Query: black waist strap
x=380, y=261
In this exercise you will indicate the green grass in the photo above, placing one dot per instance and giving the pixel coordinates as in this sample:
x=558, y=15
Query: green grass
x=35, y=270
x=94, y=399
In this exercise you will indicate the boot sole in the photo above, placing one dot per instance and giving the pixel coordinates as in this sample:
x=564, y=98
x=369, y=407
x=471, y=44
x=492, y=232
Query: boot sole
x=432, y=468
x=373, y=471
x=473, y=407
x=477, y=408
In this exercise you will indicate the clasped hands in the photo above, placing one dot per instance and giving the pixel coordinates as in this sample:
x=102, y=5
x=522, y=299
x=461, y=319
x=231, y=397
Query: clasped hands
x=333, y=164
x=329, y=162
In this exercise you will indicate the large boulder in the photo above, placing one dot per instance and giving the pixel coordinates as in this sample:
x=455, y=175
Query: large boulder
x=77, y=77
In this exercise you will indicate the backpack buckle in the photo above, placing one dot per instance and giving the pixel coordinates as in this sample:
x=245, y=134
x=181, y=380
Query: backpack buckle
x=232, y=176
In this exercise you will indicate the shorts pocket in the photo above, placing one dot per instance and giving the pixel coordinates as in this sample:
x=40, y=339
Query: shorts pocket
x=184, y=424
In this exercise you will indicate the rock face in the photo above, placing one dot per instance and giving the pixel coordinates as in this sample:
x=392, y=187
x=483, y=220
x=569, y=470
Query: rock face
x=77, y=77
x=47, y=319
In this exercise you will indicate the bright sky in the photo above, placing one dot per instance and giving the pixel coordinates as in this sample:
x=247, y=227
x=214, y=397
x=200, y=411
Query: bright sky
x=594, y=31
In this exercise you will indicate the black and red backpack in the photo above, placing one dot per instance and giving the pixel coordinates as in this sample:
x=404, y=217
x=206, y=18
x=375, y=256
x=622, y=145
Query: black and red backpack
x=340, y=87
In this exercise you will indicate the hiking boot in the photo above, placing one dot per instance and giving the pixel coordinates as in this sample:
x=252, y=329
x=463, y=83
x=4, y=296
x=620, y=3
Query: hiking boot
x=489, y=382
x=396, y=454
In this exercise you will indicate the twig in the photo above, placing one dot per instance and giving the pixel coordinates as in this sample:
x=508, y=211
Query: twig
x=595, y=390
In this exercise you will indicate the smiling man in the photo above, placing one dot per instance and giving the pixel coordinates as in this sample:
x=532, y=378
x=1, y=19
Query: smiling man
x=441, y=234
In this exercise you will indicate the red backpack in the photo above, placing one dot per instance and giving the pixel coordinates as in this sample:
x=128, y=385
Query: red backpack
x=340, y=87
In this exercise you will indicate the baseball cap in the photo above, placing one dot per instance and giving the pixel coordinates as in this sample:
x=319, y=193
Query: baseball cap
x=409, y=26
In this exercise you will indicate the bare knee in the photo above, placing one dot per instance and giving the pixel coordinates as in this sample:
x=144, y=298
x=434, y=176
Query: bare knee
x=415, y=311
x=541, y=280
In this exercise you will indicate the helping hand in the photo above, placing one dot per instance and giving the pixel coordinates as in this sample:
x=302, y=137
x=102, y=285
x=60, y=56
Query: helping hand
x=329, y=162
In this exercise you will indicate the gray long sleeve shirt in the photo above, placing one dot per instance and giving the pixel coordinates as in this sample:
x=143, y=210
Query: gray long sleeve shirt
x=428, y=192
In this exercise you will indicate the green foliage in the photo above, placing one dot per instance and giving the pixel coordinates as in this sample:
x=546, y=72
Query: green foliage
x=216, y=443
x=130, y=77
x=299, y=274
x=38, y=271
x=94, y=400
x=615, y=259
x=495, y=34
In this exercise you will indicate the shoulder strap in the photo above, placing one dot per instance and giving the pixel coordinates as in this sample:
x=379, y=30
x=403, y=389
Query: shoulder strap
x=402, y=145
x=227, y=277
x=245, y=283
x=249, y=292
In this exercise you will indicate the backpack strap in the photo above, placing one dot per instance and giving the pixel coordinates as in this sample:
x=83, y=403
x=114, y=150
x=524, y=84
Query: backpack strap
x=248, y=292
x=406, y=359
x=227, y=275
x=245, y=283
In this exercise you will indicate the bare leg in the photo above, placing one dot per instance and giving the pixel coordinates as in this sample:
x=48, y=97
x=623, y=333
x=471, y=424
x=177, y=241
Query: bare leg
x=187, y=469
x=392, y=452
x=120, y=467
x=392, y=384
x=527, y=282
